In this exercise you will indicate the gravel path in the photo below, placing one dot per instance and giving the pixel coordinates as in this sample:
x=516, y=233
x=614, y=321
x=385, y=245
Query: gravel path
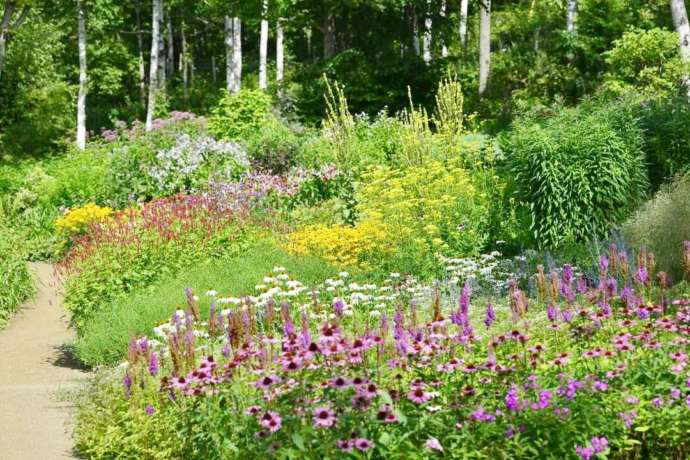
x=34, y=366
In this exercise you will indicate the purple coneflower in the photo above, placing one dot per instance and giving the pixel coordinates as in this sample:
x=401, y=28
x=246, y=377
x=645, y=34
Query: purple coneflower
x=324, y=417
x=418, y=396
x=363, y=444
x=433, y=444
x=345, y=445
x=271, y=420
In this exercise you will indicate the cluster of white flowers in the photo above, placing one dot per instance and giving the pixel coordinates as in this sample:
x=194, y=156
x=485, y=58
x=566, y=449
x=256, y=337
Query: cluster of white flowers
x=189, y=154
x=489, y=271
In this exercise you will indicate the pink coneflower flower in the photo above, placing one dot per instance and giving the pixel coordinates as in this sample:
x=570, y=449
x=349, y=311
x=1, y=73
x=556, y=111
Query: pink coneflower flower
x=324, y=417
x=363, y=444
x=271, y=420
x=339, y=382
x=418, y=396
x=266, y=381
x=386, y=415
x=433, y=444
x=252, y=410
x=345, y=445
x=368, y=391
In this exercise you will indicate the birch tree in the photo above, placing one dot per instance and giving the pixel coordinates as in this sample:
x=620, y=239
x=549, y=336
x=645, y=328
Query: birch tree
x=142, y=64
x=184, y=61
x=426, y=40
x=571, y=16
x=161, y=49
x=7, y=27
x=463, y=24
x=280, y=58
x=263, y=46
x=81, y=98
x=442, y=13
x=170, y=61
x=415, y=33
x=153, y=66
x=233, y=53
x=484, y=44
x=680, y=22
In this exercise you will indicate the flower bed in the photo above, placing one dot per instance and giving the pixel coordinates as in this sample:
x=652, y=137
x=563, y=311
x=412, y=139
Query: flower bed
x=401, y=370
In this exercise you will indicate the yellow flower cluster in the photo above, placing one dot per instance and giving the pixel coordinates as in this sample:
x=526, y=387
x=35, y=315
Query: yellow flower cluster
x=78, y=219
x=341, y=245
x=434, y=204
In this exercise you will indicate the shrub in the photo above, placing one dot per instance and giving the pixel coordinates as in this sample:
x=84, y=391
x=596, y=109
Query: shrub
x=647, y=60
x=16, y=284
x=240, y=114
x=663, y=224
x=105, y=336
x=430, y=209
x=667, y=137
x=273, y=148
x=578, y=172
x=342, y=245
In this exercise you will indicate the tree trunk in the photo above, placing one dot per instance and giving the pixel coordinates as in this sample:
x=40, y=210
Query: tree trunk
x=328, y=31
x=142, y=64
x=161, y=51
x=81, y=98
x=442, y=13
x=263, y=47
x=484, y=44
x=237, y=52
x=171, y=45
x=571, y=16
x=680, y=22
x=426, y=41
x=5, y=27
x=280, y=59
x=153, y=66
x=184, y=62
x=463, y=24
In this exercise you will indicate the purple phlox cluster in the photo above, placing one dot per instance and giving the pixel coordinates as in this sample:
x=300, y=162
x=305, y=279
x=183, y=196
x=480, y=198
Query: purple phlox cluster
x=596, y=446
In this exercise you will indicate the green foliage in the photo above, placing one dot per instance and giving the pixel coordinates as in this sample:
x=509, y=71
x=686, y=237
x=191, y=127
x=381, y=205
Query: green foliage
x=663, y=224
x=16, y=284
x=239, y=115
x=274, y=147
x=667, y=137
x=647, y=60
x=105, y=337
x=579, y=171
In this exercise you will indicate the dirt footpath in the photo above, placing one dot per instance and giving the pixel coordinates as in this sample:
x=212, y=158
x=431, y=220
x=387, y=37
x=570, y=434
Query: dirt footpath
x=34, y=366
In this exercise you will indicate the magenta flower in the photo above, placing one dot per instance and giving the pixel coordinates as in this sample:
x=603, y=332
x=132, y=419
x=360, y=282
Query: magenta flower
x=586, y=453
x=324, y=417
x=149, y=410
x=418, y=396
x=345, y=445
x=363, y=444
x=552, y=313
x=271, y=420
x=433, y=444
x=490, y=315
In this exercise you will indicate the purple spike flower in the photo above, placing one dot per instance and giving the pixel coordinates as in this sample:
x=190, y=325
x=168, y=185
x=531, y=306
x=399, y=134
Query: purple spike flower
x=153, y=363
x=552, y=313
x=490, y=315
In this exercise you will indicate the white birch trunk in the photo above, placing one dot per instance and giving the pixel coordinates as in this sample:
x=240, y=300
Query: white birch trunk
x=171, y=45
x=442, y=13
x=237, y=52
x=463, y=24
x=162, y=77
x=229, y=41
x=81, y=98
x=184, y=63
x=426, y=41
x=153, y=66
x=263, y=47
x=680, y=22
x=484, y=44
x=142, y=64
x=280, y=58
x=571, y=16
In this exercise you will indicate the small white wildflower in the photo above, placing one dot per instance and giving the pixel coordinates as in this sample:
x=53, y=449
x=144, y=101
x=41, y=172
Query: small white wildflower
x=211, y=293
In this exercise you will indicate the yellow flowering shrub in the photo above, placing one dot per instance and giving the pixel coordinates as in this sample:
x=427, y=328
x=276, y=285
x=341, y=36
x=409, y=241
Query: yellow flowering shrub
x=78, y=219
x=342, y=245
x=435, y=205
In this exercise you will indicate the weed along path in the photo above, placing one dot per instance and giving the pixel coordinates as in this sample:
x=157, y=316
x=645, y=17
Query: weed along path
x=34, y=366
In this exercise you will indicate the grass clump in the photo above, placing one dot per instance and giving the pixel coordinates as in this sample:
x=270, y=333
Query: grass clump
x=15, y=280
